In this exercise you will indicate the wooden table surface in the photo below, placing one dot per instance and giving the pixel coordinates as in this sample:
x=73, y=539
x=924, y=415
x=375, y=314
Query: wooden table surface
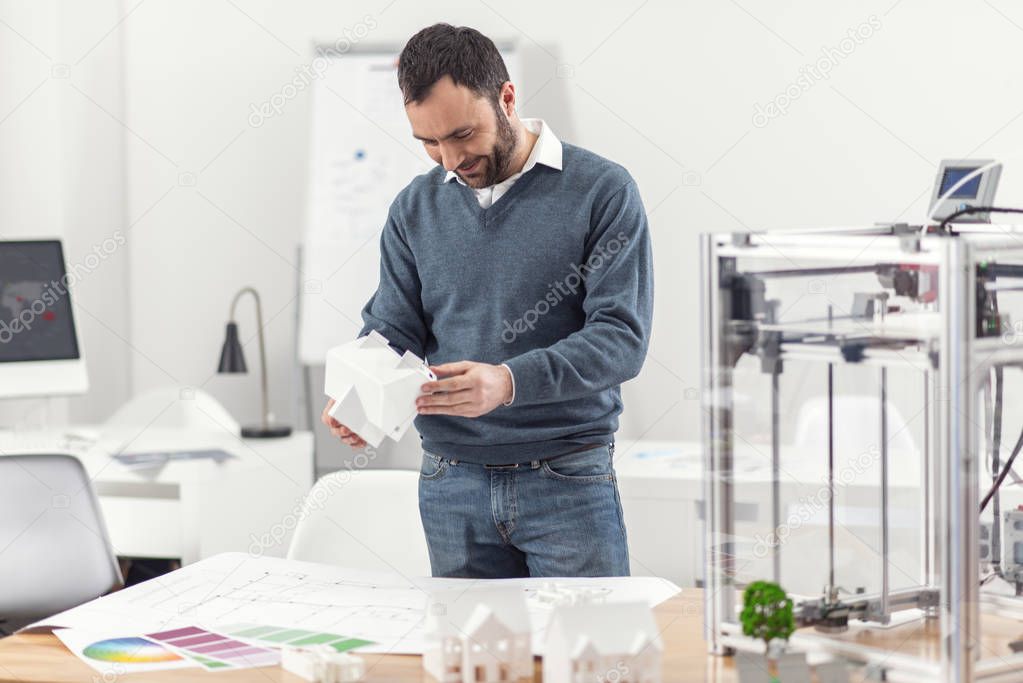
x=42, y=657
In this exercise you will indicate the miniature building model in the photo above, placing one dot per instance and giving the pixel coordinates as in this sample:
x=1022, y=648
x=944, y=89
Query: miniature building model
x=478, y=636
x=603, y=643
x=792, y=668
x=832, y=672
x=752, y=668
x=323, y=664
x=554, y=594
x=374, y=388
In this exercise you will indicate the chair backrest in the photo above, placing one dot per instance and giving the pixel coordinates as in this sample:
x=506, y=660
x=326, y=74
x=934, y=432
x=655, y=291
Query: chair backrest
x=366, y=519
x=54, y=548
x=857, y=420
x=173, y=407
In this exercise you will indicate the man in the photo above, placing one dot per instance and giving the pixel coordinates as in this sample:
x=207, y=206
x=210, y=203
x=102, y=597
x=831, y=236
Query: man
x=520, y=268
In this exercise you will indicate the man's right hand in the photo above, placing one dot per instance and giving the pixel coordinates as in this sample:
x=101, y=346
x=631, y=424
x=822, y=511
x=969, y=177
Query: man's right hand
x=339, y=430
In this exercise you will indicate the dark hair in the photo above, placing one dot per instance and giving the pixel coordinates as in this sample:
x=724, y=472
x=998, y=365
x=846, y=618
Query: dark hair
x=466, y=55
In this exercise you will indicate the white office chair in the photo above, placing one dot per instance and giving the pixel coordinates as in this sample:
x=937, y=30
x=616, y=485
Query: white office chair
x=366, y=519
x=173, y=407
x=857, y=419
x=54, y=548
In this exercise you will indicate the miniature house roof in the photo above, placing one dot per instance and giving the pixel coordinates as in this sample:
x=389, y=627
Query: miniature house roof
x=584, y=649
x=483, y=622
x=611, y=628
x=451, y=612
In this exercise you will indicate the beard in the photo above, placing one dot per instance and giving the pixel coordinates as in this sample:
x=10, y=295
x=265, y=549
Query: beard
x=500, y=156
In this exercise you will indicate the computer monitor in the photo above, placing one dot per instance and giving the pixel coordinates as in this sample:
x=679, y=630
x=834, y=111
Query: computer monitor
x=40, y=354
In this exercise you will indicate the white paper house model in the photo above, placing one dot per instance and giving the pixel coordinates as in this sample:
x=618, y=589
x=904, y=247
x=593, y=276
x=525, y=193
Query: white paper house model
x=612, y=642
x=374, y=388
x=323, y=664
x=478, y=636
x=554, y=594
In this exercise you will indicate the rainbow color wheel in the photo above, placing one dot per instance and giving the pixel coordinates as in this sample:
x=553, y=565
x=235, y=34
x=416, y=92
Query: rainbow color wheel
x=129, y=650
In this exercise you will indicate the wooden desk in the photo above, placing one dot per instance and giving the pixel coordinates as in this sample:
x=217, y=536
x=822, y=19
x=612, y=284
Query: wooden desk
x=42, y=657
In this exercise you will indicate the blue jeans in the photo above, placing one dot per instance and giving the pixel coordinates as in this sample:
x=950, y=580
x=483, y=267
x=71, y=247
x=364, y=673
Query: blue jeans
x=556, y=517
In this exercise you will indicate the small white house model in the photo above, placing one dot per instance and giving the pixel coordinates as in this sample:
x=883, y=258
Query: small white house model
x=323, y=664
x=554, y=594
x=374, y=388
x=478, y=636
x=602, y=643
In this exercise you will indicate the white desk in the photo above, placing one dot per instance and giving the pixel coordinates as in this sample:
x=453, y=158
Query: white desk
x=193, y=509
x=661, y=484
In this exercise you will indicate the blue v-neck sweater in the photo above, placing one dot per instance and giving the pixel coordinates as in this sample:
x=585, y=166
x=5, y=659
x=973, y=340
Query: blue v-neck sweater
x=555, y=279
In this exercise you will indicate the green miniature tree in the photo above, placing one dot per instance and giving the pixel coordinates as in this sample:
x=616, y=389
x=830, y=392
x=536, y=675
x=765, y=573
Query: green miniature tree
x=766, y=613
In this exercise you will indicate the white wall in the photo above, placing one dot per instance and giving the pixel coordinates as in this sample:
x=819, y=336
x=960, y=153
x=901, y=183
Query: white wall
x=29, y=170
x=62, y=173
x=667, y=88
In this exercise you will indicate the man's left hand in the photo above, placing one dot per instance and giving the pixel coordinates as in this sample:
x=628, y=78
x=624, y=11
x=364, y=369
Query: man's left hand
x=467, y=389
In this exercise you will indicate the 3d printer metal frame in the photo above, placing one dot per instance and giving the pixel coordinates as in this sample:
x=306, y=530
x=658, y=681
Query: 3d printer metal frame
x=955, y=358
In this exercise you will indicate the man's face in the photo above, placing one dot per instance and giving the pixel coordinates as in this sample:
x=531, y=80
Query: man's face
x=464, y=133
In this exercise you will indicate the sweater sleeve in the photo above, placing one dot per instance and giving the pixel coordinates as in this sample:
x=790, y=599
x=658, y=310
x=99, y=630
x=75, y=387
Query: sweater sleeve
x=618, y=304
x=396, y=309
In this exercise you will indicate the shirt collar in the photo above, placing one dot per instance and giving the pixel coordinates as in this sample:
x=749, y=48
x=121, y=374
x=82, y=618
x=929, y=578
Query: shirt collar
x=546, y=149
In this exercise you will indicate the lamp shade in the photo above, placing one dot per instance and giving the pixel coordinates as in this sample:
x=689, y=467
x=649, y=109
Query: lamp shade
x=232, y=360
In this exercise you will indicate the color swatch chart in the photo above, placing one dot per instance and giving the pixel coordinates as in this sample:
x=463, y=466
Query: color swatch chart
x=277, y=636
x=215, y=651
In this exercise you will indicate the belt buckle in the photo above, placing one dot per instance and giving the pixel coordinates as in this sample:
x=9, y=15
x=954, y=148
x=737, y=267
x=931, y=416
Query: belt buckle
x=497, y=467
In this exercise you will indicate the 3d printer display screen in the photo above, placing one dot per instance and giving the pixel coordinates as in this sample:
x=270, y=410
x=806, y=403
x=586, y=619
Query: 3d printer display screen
x=35, y=306
x=968, y=190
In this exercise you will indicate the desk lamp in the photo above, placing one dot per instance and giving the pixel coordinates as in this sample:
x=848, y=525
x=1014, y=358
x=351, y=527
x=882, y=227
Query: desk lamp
x=232, y=360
